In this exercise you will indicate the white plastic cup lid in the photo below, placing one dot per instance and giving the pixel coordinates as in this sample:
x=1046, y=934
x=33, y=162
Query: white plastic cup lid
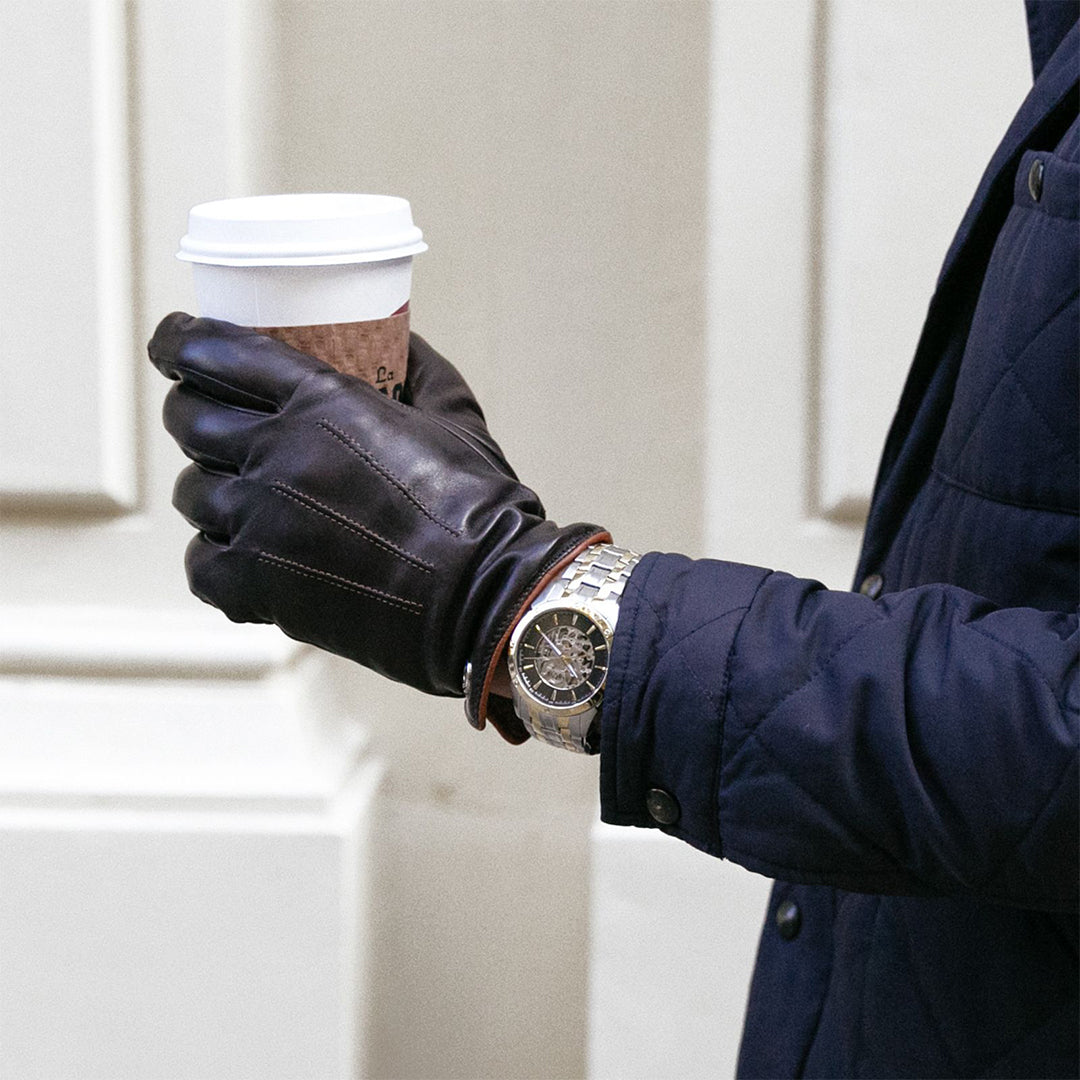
x=301, y=230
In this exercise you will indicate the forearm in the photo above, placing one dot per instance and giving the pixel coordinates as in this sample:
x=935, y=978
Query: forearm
x=923, y=743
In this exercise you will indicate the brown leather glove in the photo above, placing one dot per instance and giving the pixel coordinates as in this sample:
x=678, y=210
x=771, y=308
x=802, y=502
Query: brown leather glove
x=392, y=533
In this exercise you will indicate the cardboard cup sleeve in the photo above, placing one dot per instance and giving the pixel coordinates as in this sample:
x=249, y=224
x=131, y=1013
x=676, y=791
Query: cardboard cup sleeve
x=376, y=350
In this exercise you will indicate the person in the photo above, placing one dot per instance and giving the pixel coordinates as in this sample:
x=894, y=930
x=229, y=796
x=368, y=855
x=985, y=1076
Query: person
x=901, y=759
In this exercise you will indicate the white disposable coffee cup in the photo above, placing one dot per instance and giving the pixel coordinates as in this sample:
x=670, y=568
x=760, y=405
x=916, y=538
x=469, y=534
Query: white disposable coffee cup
x=342, y=262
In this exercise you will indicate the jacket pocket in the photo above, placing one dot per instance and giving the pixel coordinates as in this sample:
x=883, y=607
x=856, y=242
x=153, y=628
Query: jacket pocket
x=1013, y=433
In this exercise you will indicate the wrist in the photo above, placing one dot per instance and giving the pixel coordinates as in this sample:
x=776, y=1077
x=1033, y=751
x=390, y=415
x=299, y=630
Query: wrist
x=500, y=679
x=494, y=638
x=560, y=649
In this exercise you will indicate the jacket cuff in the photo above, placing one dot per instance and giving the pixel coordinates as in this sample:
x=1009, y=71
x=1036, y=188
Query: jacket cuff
x=663, y=714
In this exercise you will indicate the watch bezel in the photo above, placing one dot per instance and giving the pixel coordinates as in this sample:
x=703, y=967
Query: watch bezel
x=532, y=616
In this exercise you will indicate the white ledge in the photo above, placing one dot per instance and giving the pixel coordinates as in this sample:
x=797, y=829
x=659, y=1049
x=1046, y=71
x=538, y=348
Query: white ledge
x=101, y=642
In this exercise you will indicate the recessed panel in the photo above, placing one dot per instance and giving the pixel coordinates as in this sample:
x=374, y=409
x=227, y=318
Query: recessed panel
x=66, y=324
x=915, y=103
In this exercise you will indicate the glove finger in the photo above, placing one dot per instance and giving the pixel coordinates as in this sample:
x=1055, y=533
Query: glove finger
x=231, y=363
x=438, y=389
x=432, y=383
x=210, y=433
x=207, y=501
x=212, y=576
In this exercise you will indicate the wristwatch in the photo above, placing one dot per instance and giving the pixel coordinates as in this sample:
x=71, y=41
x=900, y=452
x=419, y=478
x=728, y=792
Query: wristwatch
x=560, y=649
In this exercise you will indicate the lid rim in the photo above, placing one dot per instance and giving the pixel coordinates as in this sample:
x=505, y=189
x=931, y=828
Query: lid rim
x=333, y=259
x=333, y=201
x=301, y=230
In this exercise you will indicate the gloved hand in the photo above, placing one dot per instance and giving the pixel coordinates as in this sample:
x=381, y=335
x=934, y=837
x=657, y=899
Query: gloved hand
x=392, y=533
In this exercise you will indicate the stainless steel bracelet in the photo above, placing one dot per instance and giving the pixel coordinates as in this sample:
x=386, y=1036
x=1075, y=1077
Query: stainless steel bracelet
x=572, y=733
x=598, y=574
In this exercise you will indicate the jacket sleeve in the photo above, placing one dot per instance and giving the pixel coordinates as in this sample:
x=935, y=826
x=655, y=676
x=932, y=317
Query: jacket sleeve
x=924, y=743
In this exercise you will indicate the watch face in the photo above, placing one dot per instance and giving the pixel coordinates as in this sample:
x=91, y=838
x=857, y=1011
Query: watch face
x=562, y=657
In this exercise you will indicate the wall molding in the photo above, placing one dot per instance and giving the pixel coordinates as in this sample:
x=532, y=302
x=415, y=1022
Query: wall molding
x=102, y=642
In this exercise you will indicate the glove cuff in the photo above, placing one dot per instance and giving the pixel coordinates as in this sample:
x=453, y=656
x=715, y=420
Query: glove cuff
x=479, y=708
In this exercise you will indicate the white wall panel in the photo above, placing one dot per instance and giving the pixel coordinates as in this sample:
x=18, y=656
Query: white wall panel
x=66, y=387
x=184, y=944
x=184, y=860
x=197, y=81
x=837, y=179
x=762, y=425
x=674, y=933
x=184, y=851
x=148, y=757
x=916, y=97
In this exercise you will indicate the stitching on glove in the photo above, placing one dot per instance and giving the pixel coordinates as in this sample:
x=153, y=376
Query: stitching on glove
x=368, y=459
x=317, y=507
x=300, y=569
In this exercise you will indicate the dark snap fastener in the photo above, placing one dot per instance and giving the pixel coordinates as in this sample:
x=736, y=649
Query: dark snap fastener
x=662, y=806
x=788, y=919
x=872, y=585
x=1035, y=179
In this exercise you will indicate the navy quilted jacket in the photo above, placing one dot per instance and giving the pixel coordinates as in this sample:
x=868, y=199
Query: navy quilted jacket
x=904, y=762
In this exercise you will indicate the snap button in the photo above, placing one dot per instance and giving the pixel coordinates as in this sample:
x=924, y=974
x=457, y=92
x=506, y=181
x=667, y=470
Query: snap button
x=788, y=919
x=1035, y=179
x=872, y=585
x=662, y=806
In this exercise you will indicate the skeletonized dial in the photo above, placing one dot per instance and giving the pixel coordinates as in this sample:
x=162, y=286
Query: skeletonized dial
x=562, y=657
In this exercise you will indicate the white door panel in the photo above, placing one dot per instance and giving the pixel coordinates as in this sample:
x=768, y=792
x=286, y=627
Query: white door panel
x=847, y=139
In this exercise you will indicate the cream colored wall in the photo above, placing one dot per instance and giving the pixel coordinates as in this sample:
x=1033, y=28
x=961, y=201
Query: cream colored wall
x=627, y=254
x=835, y=188
x=846, y=139
x=184, y=839
x=554, y=154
